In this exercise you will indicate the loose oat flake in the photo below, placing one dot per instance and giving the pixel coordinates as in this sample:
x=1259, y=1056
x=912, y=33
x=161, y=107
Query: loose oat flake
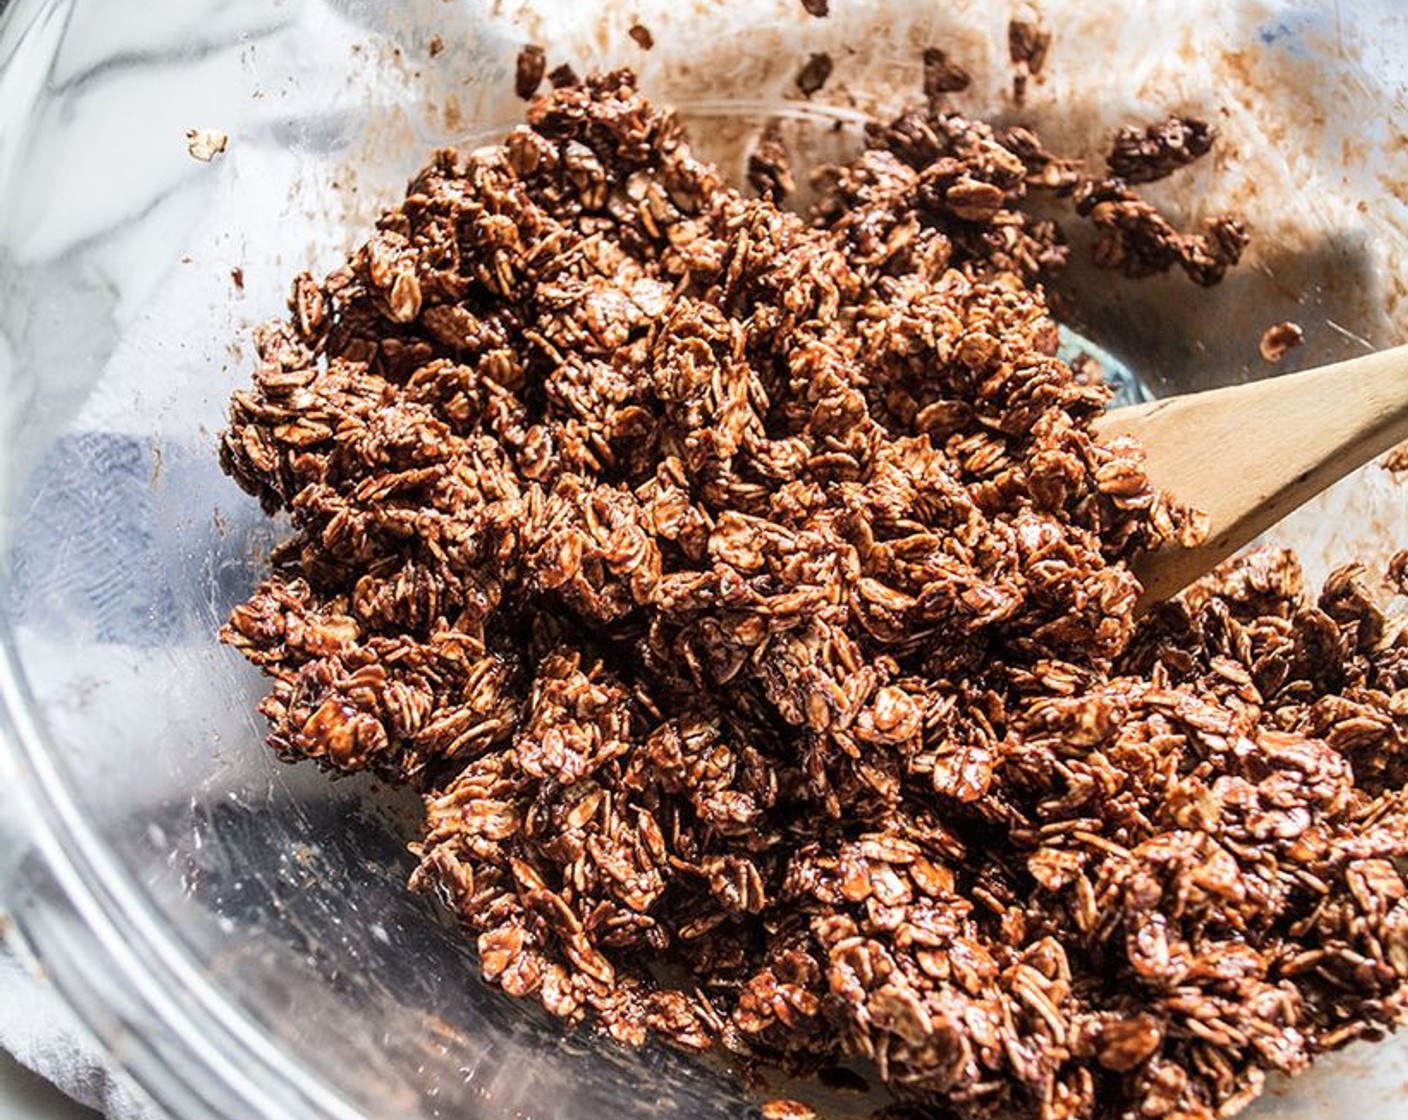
x=205, y=144
x=1279, y=340
x=749, y=598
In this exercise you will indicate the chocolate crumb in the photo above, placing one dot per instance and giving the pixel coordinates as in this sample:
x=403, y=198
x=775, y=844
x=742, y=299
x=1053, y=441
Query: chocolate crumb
x=237, y=278
x=1028, y=40
x=642, y=36
x=435, y=46
x=528, y=73
x=942, y=76
x=563, y=76
x=818, y=8
x=1279, y=340
x=814, y=72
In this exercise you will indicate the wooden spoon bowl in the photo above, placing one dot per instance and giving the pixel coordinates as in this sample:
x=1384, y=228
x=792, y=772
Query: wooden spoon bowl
x=1247, y=455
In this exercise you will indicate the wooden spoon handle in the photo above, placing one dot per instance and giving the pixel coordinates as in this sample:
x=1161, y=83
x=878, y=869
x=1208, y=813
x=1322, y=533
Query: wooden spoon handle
x=1249, y=454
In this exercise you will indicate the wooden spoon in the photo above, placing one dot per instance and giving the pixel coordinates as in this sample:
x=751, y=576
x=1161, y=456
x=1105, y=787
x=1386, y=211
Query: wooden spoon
x=1249, y=454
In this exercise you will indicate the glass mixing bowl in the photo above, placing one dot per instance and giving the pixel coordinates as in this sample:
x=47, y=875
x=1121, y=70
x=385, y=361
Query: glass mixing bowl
x=237, y=932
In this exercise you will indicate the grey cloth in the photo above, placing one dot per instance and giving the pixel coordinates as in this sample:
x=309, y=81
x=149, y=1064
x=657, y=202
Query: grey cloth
x=43, y=1035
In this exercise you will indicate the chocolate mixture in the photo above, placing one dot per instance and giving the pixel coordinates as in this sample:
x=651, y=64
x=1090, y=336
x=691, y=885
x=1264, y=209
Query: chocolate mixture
x=748, y=596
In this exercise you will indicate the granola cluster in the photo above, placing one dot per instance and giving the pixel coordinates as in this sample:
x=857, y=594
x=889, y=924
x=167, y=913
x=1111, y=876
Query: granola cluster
x=750, y=599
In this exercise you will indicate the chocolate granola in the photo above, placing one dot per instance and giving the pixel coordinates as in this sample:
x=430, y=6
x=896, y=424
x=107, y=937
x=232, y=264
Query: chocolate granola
x=748, y=594
x=1143, y=155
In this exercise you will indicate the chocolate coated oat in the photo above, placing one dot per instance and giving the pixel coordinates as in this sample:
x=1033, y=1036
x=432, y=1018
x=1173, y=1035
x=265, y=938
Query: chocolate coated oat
x=747, y=594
